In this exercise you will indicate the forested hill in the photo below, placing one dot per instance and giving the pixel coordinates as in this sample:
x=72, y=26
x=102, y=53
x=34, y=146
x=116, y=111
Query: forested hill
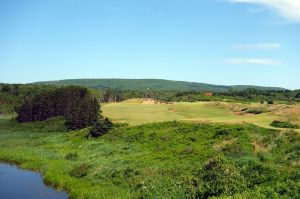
x=154, y=84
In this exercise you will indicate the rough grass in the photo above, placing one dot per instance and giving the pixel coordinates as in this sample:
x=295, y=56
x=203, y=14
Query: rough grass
x=160, y=160
x=135, y=112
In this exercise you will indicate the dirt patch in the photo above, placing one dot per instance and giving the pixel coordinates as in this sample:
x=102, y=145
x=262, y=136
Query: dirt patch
x=134, y=100
x=152, y=101
x=172, y=110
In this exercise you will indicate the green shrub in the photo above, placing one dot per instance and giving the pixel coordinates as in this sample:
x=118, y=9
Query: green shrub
x=257, y=173
x=120, y=125
x=100, y=128
x=80, y=170
x=72, y=156
x=280, y=124
x=264, y=156
x=255, y=111
x=234, y=150
x=293, y=136
x=218, y=178
x=221, y=132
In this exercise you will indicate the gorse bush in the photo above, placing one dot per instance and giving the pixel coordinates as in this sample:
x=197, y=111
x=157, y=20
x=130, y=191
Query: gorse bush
x=218, y=178
x=100, y=128
x=280, y=124
x=257, y=173
x=254, y=111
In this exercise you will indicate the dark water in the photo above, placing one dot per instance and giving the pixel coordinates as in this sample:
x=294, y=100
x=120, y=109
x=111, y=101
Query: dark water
x=17, y=183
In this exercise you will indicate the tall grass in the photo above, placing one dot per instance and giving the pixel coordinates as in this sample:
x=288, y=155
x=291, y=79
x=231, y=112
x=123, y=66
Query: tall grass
x=159, y=160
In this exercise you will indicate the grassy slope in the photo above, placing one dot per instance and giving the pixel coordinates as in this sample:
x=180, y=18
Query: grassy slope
x=134, y=112
x=37, y=147
x=163, y=160
x=144, y=84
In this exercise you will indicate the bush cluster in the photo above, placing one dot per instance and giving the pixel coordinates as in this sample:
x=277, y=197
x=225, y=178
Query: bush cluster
x=80, y=170
x=281, y=124
x=100, y=128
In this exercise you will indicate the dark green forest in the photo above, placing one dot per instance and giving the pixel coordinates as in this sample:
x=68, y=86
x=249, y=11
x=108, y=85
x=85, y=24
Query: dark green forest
x=153, y=84
x=247, y=95
x=79, y=108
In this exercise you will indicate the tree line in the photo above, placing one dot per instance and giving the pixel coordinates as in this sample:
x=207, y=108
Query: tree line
x=74, y=103
x=251, y=94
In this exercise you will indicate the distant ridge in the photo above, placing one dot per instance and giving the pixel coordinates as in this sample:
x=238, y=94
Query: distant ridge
x=155, y=84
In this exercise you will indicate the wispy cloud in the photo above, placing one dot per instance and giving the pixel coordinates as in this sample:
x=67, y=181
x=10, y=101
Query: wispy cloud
x=259, y=46
x=289, y=9
x=252, y=61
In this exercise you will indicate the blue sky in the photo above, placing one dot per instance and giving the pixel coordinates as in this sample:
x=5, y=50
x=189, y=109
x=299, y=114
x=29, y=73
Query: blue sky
x=226, y=42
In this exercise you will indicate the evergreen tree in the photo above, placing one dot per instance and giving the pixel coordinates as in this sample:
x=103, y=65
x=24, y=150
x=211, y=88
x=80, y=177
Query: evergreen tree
x=74, y=103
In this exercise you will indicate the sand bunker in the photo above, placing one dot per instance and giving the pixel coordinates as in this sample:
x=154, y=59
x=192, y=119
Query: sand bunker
x=149, y=101
x=152, y=101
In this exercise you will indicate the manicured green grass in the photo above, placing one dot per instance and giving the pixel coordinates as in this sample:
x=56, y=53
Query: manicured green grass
x=159, y=160
x=135, y=112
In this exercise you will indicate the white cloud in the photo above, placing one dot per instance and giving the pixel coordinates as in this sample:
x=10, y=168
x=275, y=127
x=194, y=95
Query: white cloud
x=289, y=9
x=259, y=46
x=252, y=61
